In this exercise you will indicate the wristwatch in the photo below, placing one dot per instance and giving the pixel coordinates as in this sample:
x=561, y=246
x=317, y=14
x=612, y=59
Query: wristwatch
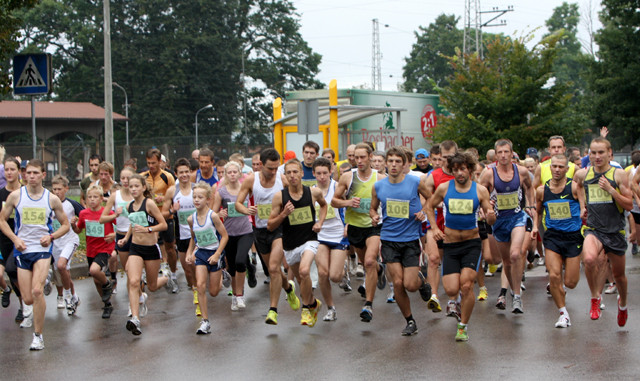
x=150, y=229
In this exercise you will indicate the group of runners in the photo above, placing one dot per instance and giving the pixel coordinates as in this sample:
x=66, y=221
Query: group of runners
x=308, y=219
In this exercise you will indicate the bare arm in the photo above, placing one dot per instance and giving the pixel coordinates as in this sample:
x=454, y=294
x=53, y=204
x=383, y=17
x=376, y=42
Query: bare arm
x=105, y=217
x=316, y=193
x=153, y=210
x=537, y=177
x=624, y=198
x=245, y=190
x=485, y=204
x=578, y=179
x=278, y=212
x=432, y=203
x=373, y=209
x=167, y=204
x=56, y=205
x=224, y=238
x=338, y=200
x=192, y=242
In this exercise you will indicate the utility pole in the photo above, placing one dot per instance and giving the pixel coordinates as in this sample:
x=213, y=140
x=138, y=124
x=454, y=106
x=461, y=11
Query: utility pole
x=108, y=92
x=472, y=40
x=376, y=55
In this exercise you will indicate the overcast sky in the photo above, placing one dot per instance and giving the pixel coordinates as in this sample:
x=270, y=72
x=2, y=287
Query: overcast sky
x=341, y=30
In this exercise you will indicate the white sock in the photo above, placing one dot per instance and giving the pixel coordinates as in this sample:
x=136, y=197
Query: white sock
x=66, y=293
x=173, y=276
x=563, y=311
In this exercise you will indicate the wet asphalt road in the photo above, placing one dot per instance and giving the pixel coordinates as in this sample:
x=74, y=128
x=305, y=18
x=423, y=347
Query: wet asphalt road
x=241, y=346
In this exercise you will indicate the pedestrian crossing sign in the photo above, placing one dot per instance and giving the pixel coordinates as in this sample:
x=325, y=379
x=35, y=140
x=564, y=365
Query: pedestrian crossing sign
x=32, y=74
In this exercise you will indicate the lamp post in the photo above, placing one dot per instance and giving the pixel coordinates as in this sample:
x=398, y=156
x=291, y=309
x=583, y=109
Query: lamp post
x=204, y=108
x=126, y=109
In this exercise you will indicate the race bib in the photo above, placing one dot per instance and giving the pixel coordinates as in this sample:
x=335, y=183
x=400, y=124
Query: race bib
x=13, y=213
x=138, y=218
x=331, y=213
x=55, y=225
x=264, y=211
x=460, y=206
x=398, y=208
x=598, y=195
x=559, y=210
x=365, y=204
x=300, y=216
x=206, y=237
x=508, y=201
x=232, y=212
x=183, y=215
x=309, y=182
x=124, y=205
x=94, y=229
x=34, y=216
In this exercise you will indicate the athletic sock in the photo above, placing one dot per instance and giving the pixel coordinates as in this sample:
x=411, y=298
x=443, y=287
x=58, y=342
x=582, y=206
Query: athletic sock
x=173, y=276
x=66, y=293
x=409, y=319
x=368, y=303
x=274, y=309
x=503, y=292
x=114, y=274
x=563, y=311
x=314, y=304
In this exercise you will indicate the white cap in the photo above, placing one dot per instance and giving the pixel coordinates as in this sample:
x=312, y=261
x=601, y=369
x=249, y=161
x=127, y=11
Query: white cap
x=162, y=158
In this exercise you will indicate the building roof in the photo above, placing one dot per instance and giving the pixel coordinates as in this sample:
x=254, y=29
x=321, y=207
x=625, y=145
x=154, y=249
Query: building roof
x=55, y=110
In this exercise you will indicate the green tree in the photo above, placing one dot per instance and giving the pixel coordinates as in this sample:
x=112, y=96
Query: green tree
x=174, y=57
x=427, y=66
x=615, y=76
x=9, y=32
x=506, y=95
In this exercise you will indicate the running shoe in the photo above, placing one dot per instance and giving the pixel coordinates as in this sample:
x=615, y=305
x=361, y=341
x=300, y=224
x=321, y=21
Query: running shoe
x=38, y=343
x=115, y=286
x=366, y=315
x=60, y=302
x=292, y=299
x=382, y=278
x=434, y=304
x=19, y=316
x=47, y=283
x=169, y=285
x=611, y=289
x=359, y=271
x=198, y=311
x=28, y=317
x=453, y=309
x=362, y=291
x=563, y=321
x=143, y=310
x=73, y=306
x=314, y=313
x=522, y=287
x=516, y=306
x=272, y=318
x=331, y=315
x=133, y=326
x=6, y=297
x=107, y=310
x=634, y=249
x=305, y=317
x=195, y=296
x=502, y=302
x=391, y=298
x=595, y=309
x=234, y=303
x=251, y=275
x=548, y=289
x=226, y=279
x=483, y=294
x=107, y=289
x=241, y=303
x=345, y=283
x=205, y=327
x=174, y=287
x=541, y=261
x=461, y=333
x=411, y=329
x=623, y=315
x=425, y=288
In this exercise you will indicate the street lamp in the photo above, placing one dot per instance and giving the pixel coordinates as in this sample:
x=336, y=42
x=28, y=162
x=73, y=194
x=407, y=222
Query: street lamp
x=204, y=108
x=126, y=108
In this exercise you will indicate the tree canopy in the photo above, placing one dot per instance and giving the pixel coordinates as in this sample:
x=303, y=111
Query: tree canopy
x=174, y=57
x=506, y=95
x=615, y=76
